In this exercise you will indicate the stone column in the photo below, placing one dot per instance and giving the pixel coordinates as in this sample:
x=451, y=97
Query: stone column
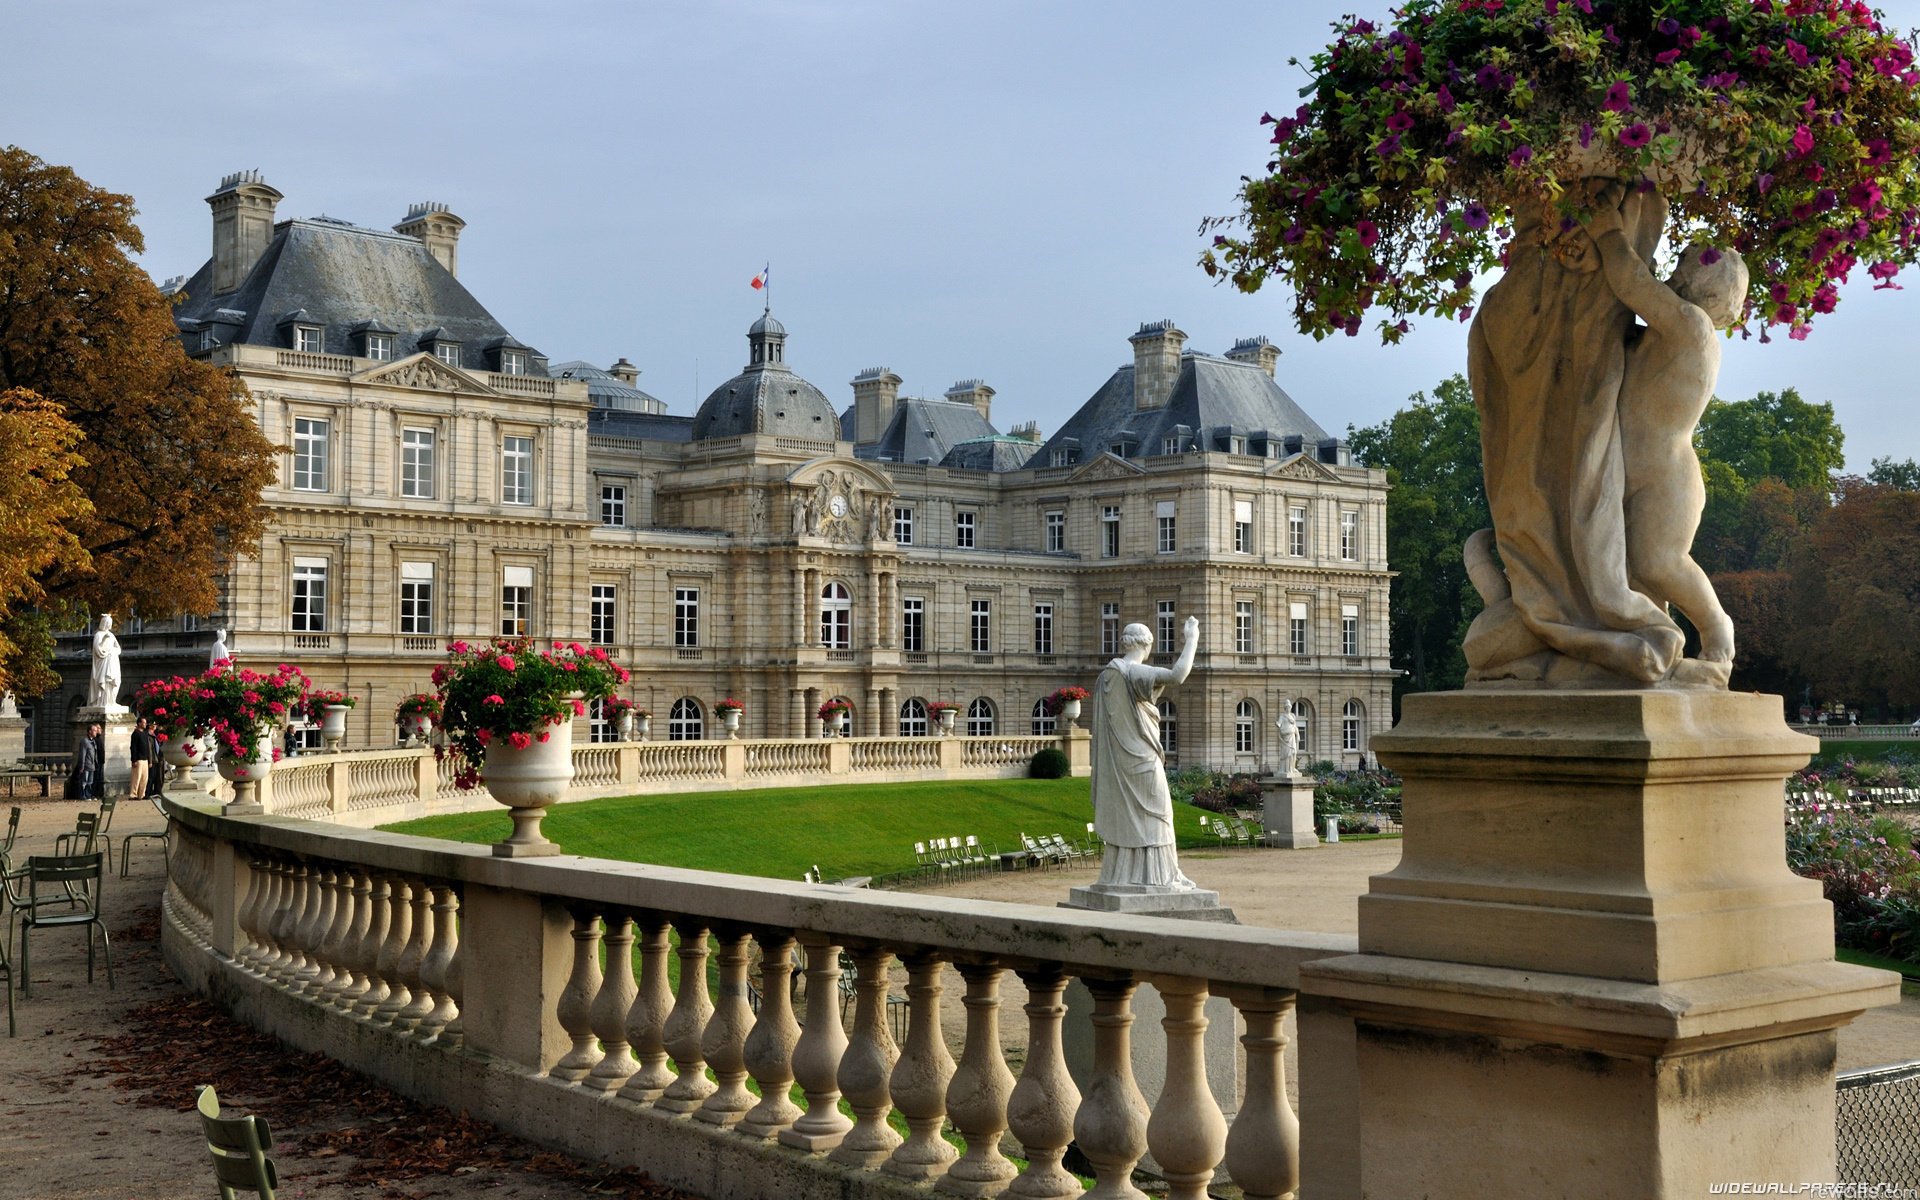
x=116, y=756
x=809, y=597
x=870, y=718
x=800, y=607
x=797, y=723
x=1592, y=965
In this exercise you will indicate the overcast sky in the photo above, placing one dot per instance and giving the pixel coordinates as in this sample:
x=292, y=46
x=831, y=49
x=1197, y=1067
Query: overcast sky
x=990, y=189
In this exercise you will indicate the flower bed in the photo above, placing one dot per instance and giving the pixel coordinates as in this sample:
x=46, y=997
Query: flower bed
x=1868, y=868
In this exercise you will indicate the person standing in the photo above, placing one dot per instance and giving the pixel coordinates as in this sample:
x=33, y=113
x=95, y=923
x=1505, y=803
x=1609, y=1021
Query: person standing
x=140, y=759
x=156, y=766
x=84, y=782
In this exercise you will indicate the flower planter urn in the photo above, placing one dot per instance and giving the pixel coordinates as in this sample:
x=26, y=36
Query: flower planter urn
x=528, y=781
x=183, y=754
x=625, y=726
x=840, y=724
x=245, y=774
x=642, y=728
x=416, y=729
x=945, y=720
x=333, y=726
x=730, y=721
x=1070, y=710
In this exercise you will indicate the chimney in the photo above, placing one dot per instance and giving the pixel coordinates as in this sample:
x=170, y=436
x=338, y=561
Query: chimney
x=1156, y=363
x=433, y=223
x=243, y=207
x=1256, y=350
x=875, y=391
x=974, y=392
x=625, y=372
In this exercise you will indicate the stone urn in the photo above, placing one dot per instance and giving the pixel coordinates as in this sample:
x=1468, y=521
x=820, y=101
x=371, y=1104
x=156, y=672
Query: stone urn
x=840, y=720
x=416, y=728
x=245, y=773
x=528, y=781
x=642, y=727
x=1070, y=710
x=333, y=726
x=625, y=725
x=945, y=719
x=183, y=753
x=730, y=721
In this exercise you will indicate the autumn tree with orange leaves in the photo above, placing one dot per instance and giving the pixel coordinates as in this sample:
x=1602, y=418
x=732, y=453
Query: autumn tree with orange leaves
x=168, y=459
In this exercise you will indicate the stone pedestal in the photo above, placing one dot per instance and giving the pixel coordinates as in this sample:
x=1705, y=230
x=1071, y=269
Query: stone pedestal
x=1592, y=971
x=1286, y=812
x=13, y=730
x=116, y=759
x=1193, y=904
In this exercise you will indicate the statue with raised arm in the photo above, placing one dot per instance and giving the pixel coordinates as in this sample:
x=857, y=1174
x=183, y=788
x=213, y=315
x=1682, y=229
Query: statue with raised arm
x=1132, y=808
x=103, y=680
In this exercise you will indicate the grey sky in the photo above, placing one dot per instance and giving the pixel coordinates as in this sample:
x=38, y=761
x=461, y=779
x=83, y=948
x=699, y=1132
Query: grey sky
x=1001, y=190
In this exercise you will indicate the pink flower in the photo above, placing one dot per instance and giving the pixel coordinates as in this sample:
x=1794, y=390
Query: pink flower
x=505, y=661
x=1368, y=231
x=545, y=735
x=518, y=740
x=579, y=709
x=1667, y=57
x=1619, y=97
x=1635, y=136
x=494, y=699
x=1802, y=140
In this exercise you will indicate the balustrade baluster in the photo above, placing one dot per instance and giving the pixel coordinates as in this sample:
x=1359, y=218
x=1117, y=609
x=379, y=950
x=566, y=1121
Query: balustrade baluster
x=646, y=1021
x=920, y=1077
x=1040, y=1111
x=399, y=932
x=1111, y=1126
x=313, y=930
x=263, y=910
x=332, y=933
x=769, y=1049
x=436, y=970
x=612, y=1005
x=723, y=1043
x=247, y=948
x=379, y=913
x=867, y=1066
x=413, y=957
x=688, y=1024
x=816, y=1056
x=453, y=1033
x=286, y=921
x=1187, y=1133
x=355, y=975
x=574, y=1009
x=1263, y=1147
x=977, y=1094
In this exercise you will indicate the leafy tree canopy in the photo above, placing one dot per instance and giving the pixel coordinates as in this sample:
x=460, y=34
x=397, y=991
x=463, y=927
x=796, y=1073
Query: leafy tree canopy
x=39, y=501
x=1775, y=435
x=1856, y=599
x=1903, y=474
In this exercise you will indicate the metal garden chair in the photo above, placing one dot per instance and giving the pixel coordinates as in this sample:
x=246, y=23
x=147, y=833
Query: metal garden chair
x=126, y=843
x=78, y=877
x=239, y=1147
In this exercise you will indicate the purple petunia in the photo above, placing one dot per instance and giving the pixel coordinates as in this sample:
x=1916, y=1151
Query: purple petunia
x=1619, y=97
x=1802, y=140
x=1668, y=26
x=1709, y=256
x=1400, y=122
x=1388, y=146
x=1586, y=134
x=1520, y=157
x=1635, y=136
x=1368, y=231
x=1475, y=215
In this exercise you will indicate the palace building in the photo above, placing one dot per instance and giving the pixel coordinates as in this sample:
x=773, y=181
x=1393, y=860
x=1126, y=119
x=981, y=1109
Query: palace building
x=443, y=480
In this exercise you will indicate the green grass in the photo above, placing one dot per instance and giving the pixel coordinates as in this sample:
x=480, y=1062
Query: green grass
x=853, y=829
x=1834, y=750
x=1866, y=958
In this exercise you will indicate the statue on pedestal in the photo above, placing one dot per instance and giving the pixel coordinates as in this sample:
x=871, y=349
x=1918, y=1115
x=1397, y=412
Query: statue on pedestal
x=1132, y=808
x=220, y=653
x=1289, y=727
x=103, y=681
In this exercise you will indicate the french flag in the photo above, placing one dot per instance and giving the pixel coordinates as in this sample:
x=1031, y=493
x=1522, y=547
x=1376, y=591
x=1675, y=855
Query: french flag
x=760, y=280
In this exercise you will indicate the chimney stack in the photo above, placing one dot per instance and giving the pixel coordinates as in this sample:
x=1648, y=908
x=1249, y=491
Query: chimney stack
x=434, y=223
x=974, y=392
x=1258, y=351
x=875, y=392
x=1156, y=363
x=625, y=372
x=243, y=207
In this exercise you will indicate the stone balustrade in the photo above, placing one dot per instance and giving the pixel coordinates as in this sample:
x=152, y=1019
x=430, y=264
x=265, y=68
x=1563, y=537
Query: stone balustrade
x=538, y=994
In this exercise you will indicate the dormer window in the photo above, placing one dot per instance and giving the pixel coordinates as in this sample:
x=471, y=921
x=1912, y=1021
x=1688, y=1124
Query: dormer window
x=513, y=362
x=379, y=346
x=447, y=352
x=209, y=339
x=306, y=339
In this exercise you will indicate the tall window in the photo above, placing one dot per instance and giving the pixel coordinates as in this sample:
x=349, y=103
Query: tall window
x=613, y=504
x=1163, y=627
x=980, y=718
x=1351, y=716
x=1164, y=513
x=1243, y=627
x=685, y=723
x=600, y=618
x=416, y=598
x=1246, y=720
x=516, y=601
x=903, y=524
x=1349, y=535
x=1297, y=531
x=599, y=729
x=306, y=338
x=1169, y=731
x=1302, y=710
x=516, y=470
x=1043, y=628
x=980, y=626
x=686, y=616
x=963, y=530
x=1297, y=627
x=836, y=617
x=1110, y=531
x=310, y=438
x=1243, y=527
x=913, y=625
x=1110, y=627
x=1056, y=532
x=1045, y=724
x=416, y=463
x=913, y=718
x=309, y=613
x=1350, y=630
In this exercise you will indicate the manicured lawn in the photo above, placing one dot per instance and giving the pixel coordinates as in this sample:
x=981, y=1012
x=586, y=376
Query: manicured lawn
x=1864, y=958
x=863, y=829
x=1834, y=750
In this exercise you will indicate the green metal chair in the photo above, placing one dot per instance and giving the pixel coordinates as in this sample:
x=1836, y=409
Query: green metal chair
x=69, y=843
x=13, y=835
x=126, y=843
x=239, y=1147
x=6, y=964
x=78, y=877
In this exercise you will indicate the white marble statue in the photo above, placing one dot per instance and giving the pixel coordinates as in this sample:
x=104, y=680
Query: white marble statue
x=219, y=653
x=1132, y=808
x=103, y=681
x=1289, y=727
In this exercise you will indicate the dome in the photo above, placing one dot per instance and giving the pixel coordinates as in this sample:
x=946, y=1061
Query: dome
x=768, y=323
x=767, y=397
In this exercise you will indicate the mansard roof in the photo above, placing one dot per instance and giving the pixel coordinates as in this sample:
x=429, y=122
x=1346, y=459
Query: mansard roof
x=998, y=452
x=924, y=430
x=348, y=279
x=650, y=427
x=1209, y=393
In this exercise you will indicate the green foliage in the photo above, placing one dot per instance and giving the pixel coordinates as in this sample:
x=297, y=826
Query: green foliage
x=1871, y=878
x=1904, y=474
x=1775, y=435
x=1050, y=763
x=1430, y=451
x=1856, y=599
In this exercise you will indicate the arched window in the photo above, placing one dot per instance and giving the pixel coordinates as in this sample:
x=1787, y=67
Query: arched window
x=836, y=617
x=913, y=718
x=685, y=723
x=980, y=718
x=1246, y=723
x=853, y=715
x=1303, y=713
x=1045, y=724
x=1169, y=736
x=599, y=729
x=1352, y=717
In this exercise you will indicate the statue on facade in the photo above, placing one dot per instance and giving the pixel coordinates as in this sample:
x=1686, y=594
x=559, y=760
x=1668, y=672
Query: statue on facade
x=103, y=681
x=799, y=516
x=219, y=653
x=1132, y=807
x=1289, y=727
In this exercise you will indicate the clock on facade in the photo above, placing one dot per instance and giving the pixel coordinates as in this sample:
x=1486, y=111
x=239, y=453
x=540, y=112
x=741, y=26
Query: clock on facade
x=838, y=506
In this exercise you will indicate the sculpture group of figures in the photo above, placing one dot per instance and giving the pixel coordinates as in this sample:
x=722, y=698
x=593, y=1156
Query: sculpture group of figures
x=835, y=508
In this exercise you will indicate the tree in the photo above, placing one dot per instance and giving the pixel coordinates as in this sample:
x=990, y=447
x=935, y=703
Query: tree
x=1775, y=435
x=38, y=503
x=1856, y=598
x=1904, y=474
x=1430, y=451
x=172, y=462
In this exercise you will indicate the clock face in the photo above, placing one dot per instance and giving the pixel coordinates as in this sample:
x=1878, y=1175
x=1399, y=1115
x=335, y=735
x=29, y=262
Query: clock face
x=838, y=506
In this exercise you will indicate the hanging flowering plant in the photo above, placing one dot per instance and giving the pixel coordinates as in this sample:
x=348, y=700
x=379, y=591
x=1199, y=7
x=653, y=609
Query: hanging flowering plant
x=168, y=706
x=1785, y=129
x=832, y=709
x=1058, y=698
x=728, y=705
x=241, y=706
x=509, y=689
x=420, y=704
x=318, y=703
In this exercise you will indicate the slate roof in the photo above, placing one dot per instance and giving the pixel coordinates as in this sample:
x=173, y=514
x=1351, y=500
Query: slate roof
x=605, y=389
x=924, y=430
x=1000, y=452
x=651, y=427
x=1209, y=395
x=767, y=397
x=343, y=277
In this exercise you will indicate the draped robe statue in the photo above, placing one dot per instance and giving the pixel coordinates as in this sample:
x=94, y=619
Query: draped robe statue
x=103, y=679
x=1132, y=807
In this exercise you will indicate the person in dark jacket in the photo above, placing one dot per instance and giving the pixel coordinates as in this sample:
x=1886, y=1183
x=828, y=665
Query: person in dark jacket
x=157, y=767
x=140, y=759
x=84, y=782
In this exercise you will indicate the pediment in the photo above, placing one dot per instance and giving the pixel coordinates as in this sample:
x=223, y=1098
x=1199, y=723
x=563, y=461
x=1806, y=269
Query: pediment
x=854, y=473
x=1108, y=466
x=427, y=373
x=1300, y=466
